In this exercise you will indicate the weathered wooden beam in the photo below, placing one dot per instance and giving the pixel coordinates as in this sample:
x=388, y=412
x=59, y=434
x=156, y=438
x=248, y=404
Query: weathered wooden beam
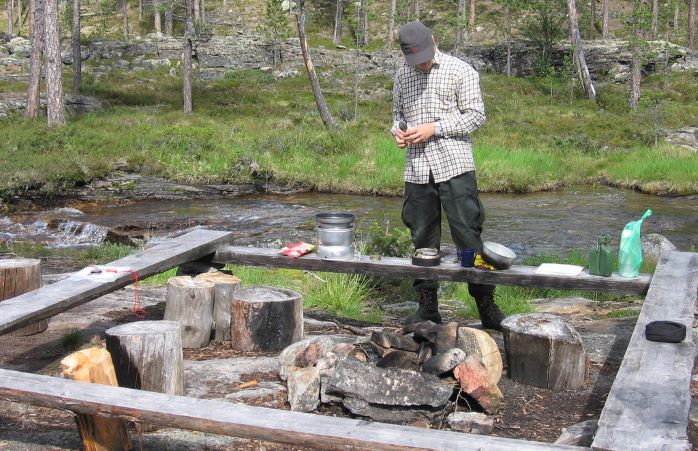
x=52, y=299
x=219, y=417
x=647, y=407
x=524, y=276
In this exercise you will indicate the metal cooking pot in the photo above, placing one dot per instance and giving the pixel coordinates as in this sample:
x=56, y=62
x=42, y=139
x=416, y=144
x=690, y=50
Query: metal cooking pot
x=497, y=255
x=335, y=237
x=335, y=220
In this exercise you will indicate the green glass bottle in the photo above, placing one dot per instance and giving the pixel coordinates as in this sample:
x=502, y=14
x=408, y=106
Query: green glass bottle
x=600, y=258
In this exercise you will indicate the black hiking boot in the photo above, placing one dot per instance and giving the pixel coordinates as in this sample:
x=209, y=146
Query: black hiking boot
x=490, y=314
x=428, y=307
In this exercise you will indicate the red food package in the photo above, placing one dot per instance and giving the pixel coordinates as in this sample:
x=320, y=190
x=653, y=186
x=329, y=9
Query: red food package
x=297, y=249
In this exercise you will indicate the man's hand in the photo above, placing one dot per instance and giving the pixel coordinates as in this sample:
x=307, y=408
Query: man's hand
x=418, y=134
x=400, y=139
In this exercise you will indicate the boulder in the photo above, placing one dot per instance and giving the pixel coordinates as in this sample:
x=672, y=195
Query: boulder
x=580, y=434
x=309, y=356
x=685, y=137
x=471, y=422
x=304, y=389
x=478, y=343
x=475, y=381
x=444, y=362
x=398, y=359
x=287, y=358
x=653, y=244
x=20, y=47
x=393, y=340
x=390, y=414
x=388, y=386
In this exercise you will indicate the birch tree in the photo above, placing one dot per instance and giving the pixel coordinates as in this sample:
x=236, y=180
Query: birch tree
x=324, y=111
x=36, y=35
x=390, y=39
x=156, y=17
x=363, y=23
x=124, y=12
x=186, y=55
x=55, y=105
x=461, y=24
x=10, y=17
x=638, y=20
x=655, y=18
x=692, y=24
x=509, y=7
x=169, y=19
x=579, y=60
x=471, y=22
x=77, y=54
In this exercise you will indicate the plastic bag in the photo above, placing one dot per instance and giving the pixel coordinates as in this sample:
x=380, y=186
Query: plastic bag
x=630, y=250
x=297, y=249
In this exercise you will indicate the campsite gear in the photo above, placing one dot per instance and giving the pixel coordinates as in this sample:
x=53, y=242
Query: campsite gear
x=428, y=307
x=497, y=255
x=297, y=249
x=466, y=257
x=335, y=235
x=426, y=256
x=665, y=331
x=630, y=249
x=600, y=258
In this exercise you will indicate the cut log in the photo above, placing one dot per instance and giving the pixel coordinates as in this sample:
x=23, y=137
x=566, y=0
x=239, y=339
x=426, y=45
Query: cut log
x=94, y=365
x=190, y=302
x=147, y=355
x=544, y=350
x=265, y=319
x=19, y=276
x=224, y=287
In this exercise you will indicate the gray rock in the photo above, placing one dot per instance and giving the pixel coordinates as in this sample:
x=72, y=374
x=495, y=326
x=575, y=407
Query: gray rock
x=685, y=137
x=388, y=386
x=304, y=389
x=262, y=391
x=472, y=422
x=391, y=340
x=580, y=434
x=399, y=359
x=287, y=358
x=204, y=377
x=653, y=244
x=443, y=362
x=390, y=414
x=20, y=47
x=325, y=396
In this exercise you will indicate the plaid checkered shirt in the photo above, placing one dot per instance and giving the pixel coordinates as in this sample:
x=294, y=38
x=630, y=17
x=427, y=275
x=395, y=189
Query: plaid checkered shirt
x=448, y=96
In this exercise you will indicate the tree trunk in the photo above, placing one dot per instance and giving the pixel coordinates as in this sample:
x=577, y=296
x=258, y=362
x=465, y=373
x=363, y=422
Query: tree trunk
x=169, y=22
x=190, y=302
x=635, y=75
x=266, y=318
x=676, y=19
x=338, y=18
x=224, y=288
x=195, y=6
x=202, y=12
x=147, y=355
x=98, y=433
x=471, y=22
x=19, y=276
x=55, y=104
x=19, y=17
x=77, y=54
x=325, y=114
x=10, y=18
x=156, y=17
x=579, y=60
x=36, y=17
x=655, y=18
x=604, y=13
x=416, y=6
x=363, y=23
x=124, y=9
x=692, y=24
x=508, y=28
x=592, y=29
x=461, y=29
x=390, y=40
x=140, y=10
x=544, y=350
x=186, y=56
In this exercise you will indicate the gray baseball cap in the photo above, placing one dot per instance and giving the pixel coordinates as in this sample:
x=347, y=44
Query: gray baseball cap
x=416, y=43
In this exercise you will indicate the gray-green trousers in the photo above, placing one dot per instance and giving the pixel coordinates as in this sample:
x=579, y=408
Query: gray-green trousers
x=421, y=213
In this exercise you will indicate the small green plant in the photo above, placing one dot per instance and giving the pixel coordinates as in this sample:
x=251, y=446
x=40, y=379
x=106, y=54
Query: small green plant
x=72, y=339
x=344, y=295
x=383, y=240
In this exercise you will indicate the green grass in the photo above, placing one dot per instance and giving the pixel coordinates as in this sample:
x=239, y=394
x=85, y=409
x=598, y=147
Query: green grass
x=76, y=257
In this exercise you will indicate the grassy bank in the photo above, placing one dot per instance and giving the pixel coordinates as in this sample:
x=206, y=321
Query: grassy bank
x=540, y=134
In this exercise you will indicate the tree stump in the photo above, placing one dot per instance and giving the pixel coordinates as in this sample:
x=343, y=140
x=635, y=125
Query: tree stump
x=190, y=302
x=94, y=365
x=224, y=287
x=265, y=319
x=19, y=276
x=544, y=350
x=147, y=355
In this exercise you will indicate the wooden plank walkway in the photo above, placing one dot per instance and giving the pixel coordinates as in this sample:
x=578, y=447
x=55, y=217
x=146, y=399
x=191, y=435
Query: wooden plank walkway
x=524, y=276
x=52, y=299
x=648, y=405
x=219, y=417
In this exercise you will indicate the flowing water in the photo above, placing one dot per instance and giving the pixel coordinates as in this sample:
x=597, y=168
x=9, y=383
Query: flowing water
x=539, y=223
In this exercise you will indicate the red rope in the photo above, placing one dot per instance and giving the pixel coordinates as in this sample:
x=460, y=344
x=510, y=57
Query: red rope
x=138, y=311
